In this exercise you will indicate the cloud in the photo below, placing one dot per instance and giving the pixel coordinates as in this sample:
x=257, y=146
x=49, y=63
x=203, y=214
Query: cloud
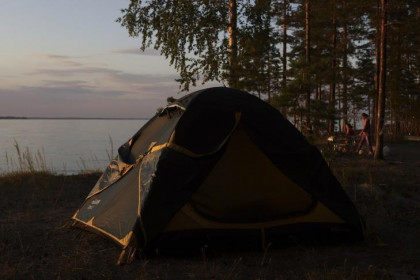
x=76, y=98
x=66, y=83
x=4, y=77
x=91, y=74
x=71, y=71
x=61, y=59
x=62, y=87
x=133, y=51
x=94, y=74
x=88, y=92
x=64, y=93
x=53, y=56
x=128, y=78
x=65, y=102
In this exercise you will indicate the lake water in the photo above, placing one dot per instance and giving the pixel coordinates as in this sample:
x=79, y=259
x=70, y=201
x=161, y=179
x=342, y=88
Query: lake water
x=69, y=146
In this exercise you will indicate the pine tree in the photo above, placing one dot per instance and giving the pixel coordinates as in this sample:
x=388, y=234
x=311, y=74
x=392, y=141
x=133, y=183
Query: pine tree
x=259, y=59
x=402, y=56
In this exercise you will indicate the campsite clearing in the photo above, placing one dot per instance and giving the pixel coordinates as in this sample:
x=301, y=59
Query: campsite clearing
x=218, y=168
x=34, y=244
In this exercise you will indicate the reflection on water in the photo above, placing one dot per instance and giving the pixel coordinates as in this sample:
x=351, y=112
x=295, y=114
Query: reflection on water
x=69, y=146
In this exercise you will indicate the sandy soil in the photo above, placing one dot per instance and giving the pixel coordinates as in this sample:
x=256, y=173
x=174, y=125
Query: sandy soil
x=34, y=244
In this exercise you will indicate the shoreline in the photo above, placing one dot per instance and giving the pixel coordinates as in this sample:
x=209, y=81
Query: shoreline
x=68, y=118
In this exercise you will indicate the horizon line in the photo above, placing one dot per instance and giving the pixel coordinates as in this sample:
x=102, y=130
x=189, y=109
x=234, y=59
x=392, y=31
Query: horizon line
x=70, y=118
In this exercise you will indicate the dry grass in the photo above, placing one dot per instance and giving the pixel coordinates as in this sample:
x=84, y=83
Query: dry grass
x=24, y=160
x=34, y=207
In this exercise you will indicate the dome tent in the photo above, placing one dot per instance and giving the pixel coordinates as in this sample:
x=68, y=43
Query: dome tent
x=218, y=164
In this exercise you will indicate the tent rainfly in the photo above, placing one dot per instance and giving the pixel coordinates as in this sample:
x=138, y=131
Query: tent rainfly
x=218, y=166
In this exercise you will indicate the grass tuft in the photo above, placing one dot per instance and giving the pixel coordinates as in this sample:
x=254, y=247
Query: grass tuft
x=26, y=161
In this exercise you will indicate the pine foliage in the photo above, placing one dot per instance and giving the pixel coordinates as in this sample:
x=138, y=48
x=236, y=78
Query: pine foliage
x=319, y=64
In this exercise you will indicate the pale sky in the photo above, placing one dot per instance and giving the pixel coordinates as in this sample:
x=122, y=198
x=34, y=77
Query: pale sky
x=69, y=58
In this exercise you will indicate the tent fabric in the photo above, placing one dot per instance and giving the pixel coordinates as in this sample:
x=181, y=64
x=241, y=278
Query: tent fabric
x=235, y=198
x=217, y=161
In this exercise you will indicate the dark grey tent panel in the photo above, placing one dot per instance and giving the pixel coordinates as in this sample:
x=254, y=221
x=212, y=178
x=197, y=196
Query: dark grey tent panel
x=194, y=172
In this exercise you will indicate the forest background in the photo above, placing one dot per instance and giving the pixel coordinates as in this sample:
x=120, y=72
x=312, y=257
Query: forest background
x=322, y=63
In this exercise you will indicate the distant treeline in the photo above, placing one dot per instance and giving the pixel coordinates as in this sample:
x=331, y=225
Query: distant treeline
x=69, y=118
x=12, y=118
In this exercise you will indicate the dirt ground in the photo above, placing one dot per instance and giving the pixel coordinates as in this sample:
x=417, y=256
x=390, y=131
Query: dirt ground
x=34, y=244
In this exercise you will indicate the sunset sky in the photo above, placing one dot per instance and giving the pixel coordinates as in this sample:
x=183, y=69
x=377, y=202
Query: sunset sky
x=62, y=58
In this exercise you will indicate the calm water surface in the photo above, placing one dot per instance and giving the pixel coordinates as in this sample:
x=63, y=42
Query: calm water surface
x=69, y=146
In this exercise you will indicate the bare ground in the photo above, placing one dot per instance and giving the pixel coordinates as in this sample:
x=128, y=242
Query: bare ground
x=35, y=245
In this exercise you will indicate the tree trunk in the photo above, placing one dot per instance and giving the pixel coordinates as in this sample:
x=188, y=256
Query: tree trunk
x=345, y=72
x=331, y=121
x=308, y=62
x=269, y=64
x=394, y=107
x=339, y=107
x=284, y=57
x=269, y=79
x=382, y=83
x=378, y=67
x=232, y=43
